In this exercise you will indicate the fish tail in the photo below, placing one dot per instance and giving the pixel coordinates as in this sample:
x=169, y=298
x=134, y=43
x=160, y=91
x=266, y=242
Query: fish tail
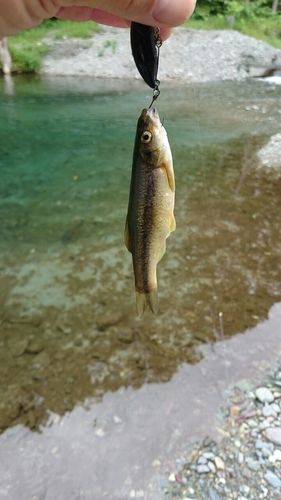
x=147, y=299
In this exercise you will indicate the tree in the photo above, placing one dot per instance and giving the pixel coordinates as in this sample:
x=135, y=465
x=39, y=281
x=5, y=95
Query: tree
x=275, y=6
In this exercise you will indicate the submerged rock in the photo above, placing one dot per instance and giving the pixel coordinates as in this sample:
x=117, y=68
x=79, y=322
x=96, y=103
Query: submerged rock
x=109, y=320
x=18, y=348
x=125, y=335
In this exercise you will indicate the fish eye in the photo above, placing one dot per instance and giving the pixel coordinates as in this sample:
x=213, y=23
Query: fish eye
x=146, y=137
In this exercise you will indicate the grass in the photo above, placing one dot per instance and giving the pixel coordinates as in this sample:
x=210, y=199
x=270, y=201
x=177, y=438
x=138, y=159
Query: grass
x=108, y=43
x=266, y=29
x=28, y=47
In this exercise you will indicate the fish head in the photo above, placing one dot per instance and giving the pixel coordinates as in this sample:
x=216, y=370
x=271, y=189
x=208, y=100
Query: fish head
x=151, y=135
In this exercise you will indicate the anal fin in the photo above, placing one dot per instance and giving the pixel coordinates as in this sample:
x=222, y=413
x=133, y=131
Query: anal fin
x=172, y=224
x=127, y=237
x=161, y=252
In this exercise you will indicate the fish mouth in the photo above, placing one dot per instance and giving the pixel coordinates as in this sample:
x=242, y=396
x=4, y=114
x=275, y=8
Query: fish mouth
x=152, y=112
x=150, y=115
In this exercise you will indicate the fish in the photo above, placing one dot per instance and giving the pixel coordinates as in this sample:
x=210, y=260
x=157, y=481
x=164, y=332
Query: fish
x=150, y=217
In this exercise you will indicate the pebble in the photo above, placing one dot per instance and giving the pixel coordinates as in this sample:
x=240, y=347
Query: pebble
x=264, y=425
x=202, y=469
x=220, y=465
x=264, y=395
x=209, y=455
x=249, y=452
x=125, y=335
x=212, y=466
x=252, y=423
x=156, y=463
x=268, y=411
x=277, y=455
x=245, y=489
x=213, y=494
x=41, y=361
x=273, y=434
x=18, y=348
x=266, y=453
x=272, y=479
x=117, y=419
x=100, y=432
x=275, y=407
x=34, y=347
x=109, y=320
x=262, y=444
x=253, y=465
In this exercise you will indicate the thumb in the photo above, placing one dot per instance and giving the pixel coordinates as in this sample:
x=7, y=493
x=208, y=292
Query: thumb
x=162, y=13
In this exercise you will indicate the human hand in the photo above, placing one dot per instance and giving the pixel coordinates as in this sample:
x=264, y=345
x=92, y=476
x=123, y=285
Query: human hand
x=17, y=15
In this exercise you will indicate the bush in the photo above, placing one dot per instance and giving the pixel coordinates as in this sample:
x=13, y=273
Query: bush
x=26, y=58
x=239, y=8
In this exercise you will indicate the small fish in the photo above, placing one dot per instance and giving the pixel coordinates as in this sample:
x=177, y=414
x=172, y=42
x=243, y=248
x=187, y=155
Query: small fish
x=150, y=217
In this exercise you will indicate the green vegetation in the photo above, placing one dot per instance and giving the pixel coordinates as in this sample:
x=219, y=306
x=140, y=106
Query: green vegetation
x=108, y=43
x=246, y=9
x=28, y=47
x=260, y=19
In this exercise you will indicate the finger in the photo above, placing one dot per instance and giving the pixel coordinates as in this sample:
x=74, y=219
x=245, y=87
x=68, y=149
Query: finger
x=101, y=17
x=89, y=14
x=162, y=13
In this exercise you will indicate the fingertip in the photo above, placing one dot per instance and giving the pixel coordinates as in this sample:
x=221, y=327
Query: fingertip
x=165, y=33
x=173, y=13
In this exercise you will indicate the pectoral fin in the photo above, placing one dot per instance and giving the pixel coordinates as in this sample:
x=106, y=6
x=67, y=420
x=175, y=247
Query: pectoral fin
x=168, y=166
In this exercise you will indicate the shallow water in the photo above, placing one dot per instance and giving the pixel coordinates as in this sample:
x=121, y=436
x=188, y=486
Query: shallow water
x=75, y=361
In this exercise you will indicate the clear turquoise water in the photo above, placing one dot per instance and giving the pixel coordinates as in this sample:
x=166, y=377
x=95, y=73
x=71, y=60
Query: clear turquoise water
x=51, y=133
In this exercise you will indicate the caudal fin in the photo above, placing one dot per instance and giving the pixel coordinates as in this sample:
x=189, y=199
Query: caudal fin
x=147, y=299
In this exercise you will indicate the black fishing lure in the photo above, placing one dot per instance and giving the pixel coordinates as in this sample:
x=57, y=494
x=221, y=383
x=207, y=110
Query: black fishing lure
x=145, y=43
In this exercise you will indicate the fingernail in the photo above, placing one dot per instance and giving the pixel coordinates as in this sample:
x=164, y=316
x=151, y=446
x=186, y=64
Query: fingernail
x=173, y=12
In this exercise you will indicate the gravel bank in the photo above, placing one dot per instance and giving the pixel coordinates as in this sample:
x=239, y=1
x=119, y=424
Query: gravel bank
x=189, y=55
x=246, y=464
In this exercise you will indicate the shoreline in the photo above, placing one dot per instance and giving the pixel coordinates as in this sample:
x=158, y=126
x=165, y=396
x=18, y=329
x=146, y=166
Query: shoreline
x=188, y=55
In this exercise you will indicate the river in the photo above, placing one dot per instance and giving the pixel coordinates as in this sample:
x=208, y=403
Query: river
x=94, y=402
